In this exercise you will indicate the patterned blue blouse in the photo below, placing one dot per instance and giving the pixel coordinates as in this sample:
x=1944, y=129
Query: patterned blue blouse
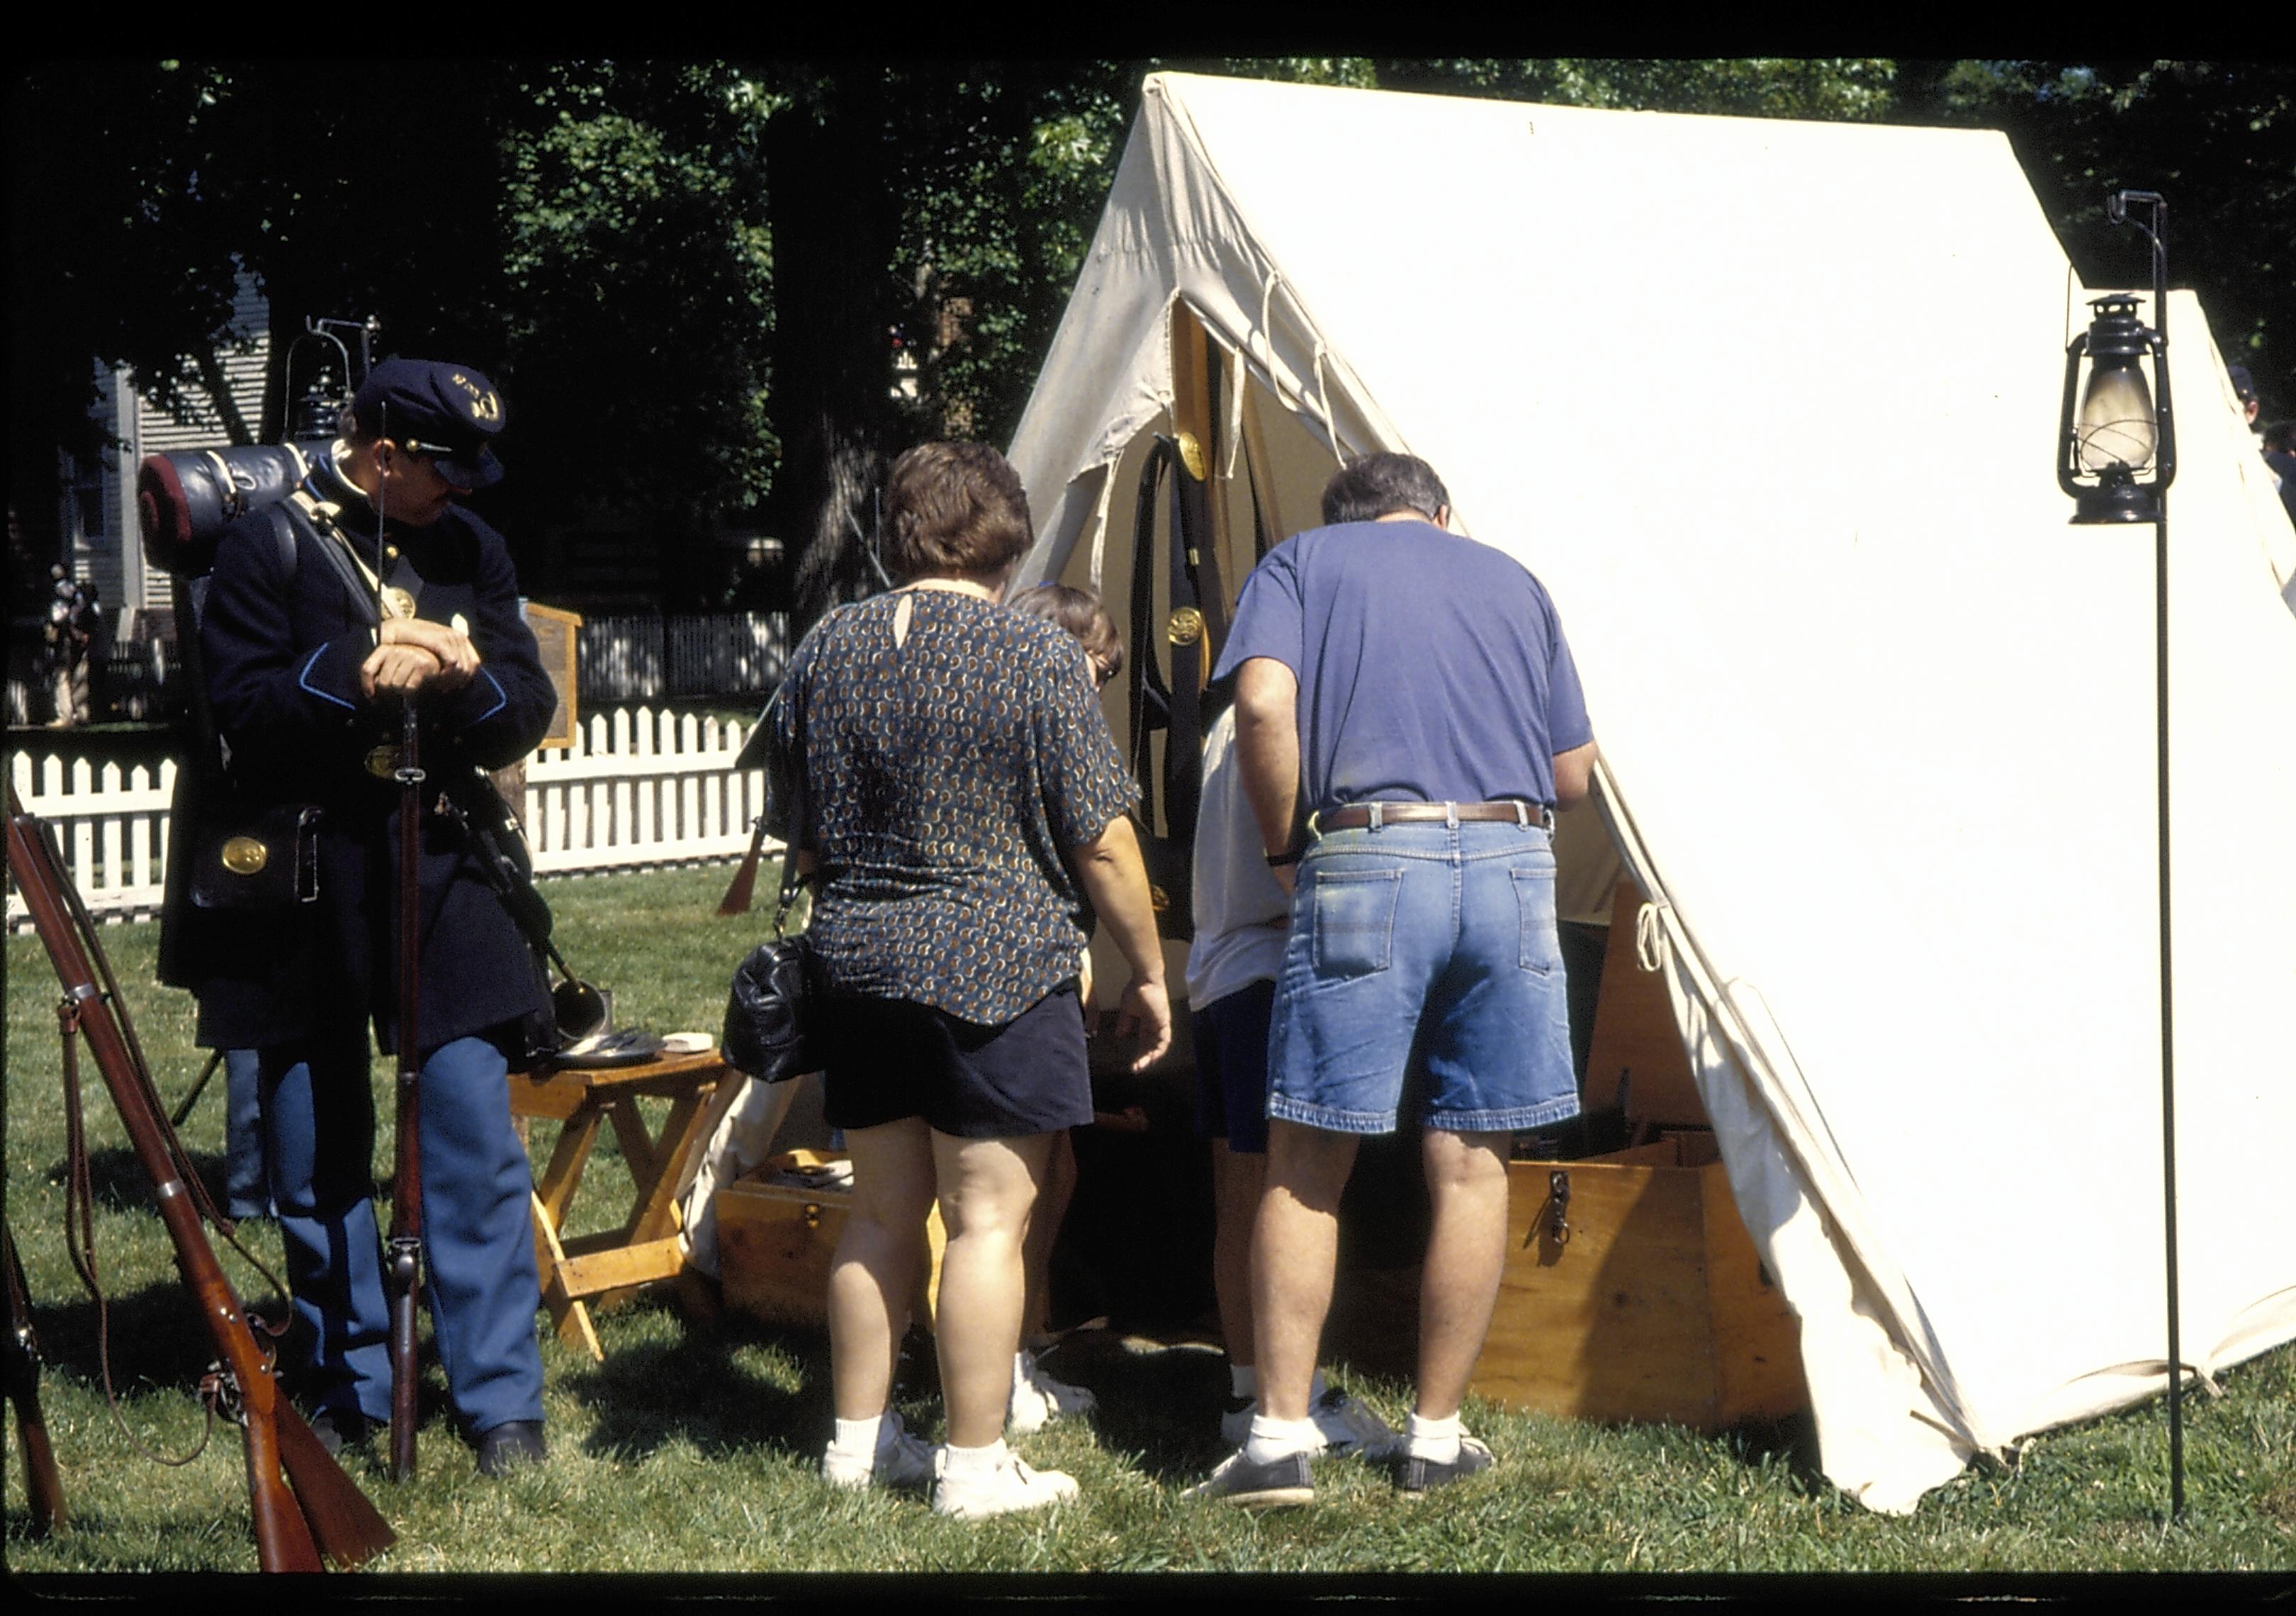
x=942, y=781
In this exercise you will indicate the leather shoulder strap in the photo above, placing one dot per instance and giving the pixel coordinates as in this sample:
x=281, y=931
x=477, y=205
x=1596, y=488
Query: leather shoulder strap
x=298, y=517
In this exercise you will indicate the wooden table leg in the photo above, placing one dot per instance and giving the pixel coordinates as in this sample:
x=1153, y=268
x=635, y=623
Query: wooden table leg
x=569, y=1313
x=595, y=1270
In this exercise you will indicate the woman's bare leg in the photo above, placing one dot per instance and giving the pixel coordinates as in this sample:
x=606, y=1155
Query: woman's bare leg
x=987, y=1188
x=875, y=1272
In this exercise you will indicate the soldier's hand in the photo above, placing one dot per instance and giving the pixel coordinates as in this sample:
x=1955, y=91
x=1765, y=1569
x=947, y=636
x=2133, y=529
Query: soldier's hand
x=456, y=657
x=396, y=670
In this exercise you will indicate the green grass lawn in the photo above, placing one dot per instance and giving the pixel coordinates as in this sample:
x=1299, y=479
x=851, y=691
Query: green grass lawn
x=693, y=1447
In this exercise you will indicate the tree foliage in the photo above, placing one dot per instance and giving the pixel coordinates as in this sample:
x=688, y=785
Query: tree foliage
x=1836, y=89
x=718, y=294
x=590, y=234
x=2218, y=139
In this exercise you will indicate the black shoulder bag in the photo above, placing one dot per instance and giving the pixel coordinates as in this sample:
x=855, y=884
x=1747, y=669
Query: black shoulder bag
x=768, y=1033
x=247, y=854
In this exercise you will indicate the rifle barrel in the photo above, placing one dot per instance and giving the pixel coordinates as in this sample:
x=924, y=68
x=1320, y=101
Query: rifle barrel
x=44, y=1483
x=405, y=1268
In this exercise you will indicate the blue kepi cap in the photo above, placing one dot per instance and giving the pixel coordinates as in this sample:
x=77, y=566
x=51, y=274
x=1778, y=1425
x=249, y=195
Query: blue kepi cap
x=448, y=412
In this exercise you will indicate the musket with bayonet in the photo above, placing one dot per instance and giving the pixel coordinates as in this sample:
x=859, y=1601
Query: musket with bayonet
x=403, y=1270
x=304, y=1506
x=405, y=1247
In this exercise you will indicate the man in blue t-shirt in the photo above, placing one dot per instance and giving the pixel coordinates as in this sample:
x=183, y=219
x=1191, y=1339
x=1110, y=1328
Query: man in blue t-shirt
x=1408, y=717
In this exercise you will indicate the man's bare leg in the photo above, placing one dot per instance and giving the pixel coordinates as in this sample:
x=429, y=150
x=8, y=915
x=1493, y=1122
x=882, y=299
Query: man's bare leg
x=1044, y=1227
x=1237, y=1180
x=1295, y=1246
x=1466, y=1251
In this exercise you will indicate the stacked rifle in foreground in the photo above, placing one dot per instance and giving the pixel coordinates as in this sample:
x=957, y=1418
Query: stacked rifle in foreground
x=304, y=1505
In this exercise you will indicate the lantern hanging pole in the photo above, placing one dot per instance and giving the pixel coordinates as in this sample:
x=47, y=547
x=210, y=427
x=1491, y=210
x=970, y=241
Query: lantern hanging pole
x=2117, y=209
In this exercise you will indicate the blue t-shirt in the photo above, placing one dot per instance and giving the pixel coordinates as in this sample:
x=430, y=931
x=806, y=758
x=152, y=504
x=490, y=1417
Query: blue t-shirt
x=1432, y=668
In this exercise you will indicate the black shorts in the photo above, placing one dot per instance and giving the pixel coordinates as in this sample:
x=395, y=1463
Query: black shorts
x=886, y=1059
x=1232, y=1068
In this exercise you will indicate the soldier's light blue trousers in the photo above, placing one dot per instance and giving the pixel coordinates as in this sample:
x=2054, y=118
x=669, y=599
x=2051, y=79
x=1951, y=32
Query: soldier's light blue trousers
x=478, y=1242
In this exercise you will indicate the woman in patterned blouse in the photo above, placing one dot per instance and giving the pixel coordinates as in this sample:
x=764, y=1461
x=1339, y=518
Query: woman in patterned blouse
x=964, y=812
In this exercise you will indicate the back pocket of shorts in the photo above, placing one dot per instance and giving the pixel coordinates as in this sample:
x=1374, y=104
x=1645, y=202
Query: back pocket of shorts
x=1534, y=895
x=1354, y=919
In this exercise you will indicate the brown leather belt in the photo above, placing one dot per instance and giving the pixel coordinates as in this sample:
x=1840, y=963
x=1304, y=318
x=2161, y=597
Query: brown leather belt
x=1371, y=816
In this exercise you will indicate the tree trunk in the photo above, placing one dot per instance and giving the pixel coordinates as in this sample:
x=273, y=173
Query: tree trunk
x=828, y=174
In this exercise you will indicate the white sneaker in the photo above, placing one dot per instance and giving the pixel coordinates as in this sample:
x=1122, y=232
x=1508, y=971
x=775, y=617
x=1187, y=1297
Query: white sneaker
x=1346, y=1423
x=1038, y=1399
x=1011, y=1486
x=903, y=1461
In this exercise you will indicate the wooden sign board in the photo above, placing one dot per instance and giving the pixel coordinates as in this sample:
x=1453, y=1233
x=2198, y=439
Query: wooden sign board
x=555, y=635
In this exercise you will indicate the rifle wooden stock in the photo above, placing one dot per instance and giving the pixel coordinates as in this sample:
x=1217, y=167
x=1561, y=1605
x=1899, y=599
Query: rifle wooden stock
x=738, y=896
x=322, y=1509
x=404, y=1268
x=44, y=1483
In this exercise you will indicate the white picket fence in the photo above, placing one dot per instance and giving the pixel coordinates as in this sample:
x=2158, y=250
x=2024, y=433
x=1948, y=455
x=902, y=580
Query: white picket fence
x=643, y=789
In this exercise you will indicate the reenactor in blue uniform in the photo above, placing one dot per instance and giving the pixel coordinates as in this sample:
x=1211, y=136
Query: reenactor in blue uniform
x=306, y=678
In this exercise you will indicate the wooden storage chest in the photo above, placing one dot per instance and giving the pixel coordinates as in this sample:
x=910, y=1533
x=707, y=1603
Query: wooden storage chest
x=1632, y=1290
x=777, y=1231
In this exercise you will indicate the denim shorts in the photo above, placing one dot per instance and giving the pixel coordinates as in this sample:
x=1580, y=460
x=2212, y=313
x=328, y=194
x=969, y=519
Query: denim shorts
x=1436, y=937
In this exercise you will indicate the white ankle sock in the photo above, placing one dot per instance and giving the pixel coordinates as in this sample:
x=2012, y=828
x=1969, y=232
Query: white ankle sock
x=858, y=1436
x=974, y=1461
x=1273, y=1438
x=1435, y=1439
x=1242, y=1379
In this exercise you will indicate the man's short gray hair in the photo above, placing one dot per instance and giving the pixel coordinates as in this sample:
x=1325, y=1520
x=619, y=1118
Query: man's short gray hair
x=1372, y=486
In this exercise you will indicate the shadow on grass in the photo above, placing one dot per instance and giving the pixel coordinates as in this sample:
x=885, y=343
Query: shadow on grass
x=1161, y=1402
x=155, y=1344
x=1789, y=1443
x=118, y=1182
x=696, y=1388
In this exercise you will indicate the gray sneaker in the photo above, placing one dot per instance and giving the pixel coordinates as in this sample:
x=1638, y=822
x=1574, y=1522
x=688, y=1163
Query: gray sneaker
x=1277, y=1484
x=1419, y=1477
x=1346, y=1423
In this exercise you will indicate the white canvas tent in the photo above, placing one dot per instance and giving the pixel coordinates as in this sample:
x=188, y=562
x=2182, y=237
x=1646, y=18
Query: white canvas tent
x=1770, y=406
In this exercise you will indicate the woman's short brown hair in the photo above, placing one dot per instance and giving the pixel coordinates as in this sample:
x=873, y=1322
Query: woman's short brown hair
x=1082, y=614
x=954, y=508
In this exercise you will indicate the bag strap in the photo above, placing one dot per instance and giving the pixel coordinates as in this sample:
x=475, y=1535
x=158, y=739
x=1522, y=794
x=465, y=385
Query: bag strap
x=790, y=847
x=317, y=520
x=1195, y=628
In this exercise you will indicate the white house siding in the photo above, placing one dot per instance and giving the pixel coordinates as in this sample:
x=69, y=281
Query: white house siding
x=113, y=556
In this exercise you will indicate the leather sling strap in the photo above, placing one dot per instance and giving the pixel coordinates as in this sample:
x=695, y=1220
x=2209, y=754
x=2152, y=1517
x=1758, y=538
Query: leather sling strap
x=1147, y=677
x=1196, y=627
